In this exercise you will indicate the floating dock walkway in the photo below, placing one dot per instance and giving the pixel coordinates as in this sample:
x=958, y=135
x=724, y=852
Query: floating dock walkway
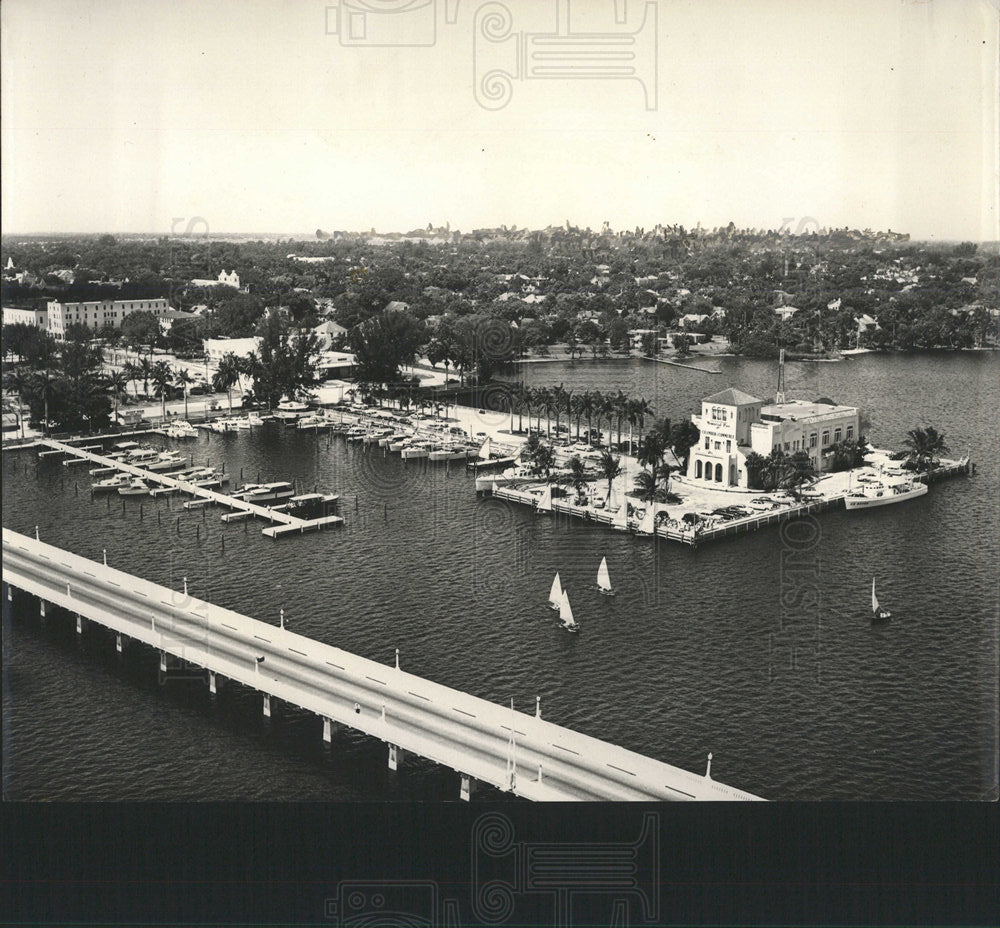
x=288, y=524
x=481, y=741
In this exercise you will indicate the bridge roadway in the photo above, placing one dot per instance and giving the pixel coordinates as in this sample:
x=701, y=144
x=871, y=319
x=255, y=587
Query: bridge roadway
x=543, y=761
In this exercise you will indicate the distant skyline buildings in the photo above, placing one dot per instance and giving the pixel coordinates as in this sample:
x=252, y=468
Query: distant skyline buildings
x=849, y=113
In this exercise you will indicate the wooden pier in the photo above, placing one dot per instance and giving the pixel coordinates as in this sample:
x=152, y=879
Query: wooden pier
x=203, y=496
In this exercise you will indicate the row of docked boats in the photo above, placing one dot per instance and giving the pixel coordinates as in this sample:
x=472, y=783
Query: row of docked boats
x=235, y=423
x=125, y=484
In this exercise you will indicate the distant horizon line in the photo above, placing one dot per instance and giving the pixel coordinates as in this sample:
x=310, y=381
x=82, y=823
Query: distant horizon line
x=311, y=236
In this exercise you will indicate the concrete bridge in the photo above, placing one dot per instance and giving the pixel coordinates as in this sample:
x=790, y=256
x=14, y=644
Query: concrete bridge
x=513, y=751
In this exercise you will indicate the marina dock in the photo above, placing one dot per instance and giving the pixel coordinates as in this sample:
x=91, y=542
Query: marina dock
x=202, y=495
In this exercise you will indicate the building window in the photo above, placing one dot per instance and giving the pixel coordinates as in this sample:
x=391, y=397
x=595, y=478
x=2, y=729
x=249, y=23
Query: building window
x=718, y=445
x=786, y=446
x=826, y=438
x=697, y=470
x=706, y=444
x=718, y=473
x=729, y=446
x=850, y=432
x=812, y=440
x=836, y=436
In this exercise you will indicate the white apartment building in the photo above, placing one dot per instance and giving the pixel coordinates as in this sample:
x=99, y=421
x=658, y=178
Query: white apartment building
x=99, y=313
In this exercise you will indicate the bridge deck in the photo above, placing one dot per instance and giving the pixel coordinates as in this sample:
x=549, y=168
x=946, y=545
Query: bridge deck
x=449, y=727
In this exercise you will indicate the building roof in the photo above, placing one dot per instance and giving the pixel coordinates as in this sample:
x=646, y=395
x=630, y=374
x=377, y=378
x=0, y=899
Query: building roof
x=803, y=410
x=731, y=397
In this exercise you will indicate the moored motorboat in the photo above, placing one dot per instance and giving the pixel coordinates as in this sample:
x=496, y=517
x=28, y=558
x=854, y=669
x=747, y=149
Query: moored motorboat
x=135, y=487
x=110, y=484
x=291, y=410
x=259, y=493
x=883, y=494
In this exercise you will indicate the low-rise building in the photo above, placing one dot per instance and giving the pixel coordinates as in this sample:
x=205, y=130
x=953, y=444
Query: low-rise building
x=734, y=424
x=33, y=317
x=217, y=348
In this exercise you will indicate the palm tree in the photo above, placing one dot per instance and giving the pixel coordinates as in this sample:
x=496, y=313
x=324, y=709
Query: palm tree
x=588, y=406
x=184, y=380
x=558, y=397
x=798, y=470
x=117, y=382
x=131, y=372
x=162, y=375
x=664, y=471
x=638, y=410
x=925, y=445
x=578, y=473
x=607, y=410
x=145, y=370
x=610, y=468
x=576, y=410
x=227, y=376
x=645, y=483
x=621, y=402
x=545, y=459
x=547, y=403
x=651, y=449
x=755, y=464
x=683, y=437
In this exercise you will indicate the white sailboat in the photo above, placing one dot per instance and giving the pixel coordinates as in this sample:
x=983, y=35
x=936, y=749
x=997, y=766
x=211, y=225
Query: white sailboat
x=566, y=614
x=878, y=613
x=545, y=503
x=486, y=450
x=604, y=578
x=555, y=594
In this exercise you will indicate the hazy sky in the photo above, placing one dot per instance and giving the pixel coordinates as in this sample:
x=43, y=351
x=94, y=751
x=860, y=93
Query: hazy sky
x=257, y=116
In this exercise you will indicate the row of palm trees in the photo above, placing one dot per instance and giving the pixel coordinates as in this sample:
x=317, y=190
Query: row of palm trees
x=617, y=409
x=163, y=377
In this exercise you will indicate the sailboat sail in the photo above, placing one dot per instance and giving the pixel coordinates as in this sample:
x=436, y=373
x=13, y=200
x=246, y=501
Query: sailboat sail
x=875, y=606
x=555, y=594
x=565, y=612
x=545, y=503
x=603, y=577
x=484, y=451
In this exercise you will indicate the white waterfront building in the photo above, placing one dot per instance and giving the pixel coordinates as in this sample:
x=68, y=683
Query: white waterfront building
x=734, y=424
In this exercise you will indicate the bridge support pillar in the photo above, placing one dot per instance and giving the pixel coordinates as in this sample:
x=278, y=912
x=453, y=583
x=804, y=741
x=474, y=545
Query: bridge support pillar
x=267, y=706
x=327, y=730
x=395, y=757
x=211, y=682
x=467, y=788
x=163, y=662
x=118, y=642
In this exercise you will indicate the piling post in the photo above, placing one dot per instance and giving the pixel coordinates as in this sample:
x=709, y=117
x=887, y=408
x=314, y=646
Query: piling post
x=141, y=514
x=118, y=642
x=211, y=682
x=327, y=731
x=108, y=498
x=267, y=705
x=36, y=534
x=197, y=536
x=538, y=709
x=79, y=624
x=397, y=658
x=163, y=662
x=41, y=608
x=104, y=552
x=708, y=768
x=178, y=525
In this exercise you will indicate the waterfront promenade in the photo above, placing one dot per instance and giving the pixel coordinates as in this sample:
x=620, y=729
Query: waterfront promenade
x=510, y=750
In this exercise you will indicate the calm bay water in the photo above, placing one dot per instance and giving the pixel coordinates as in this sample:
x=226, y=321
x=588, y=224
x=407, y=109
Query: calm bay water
x=758, y=649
